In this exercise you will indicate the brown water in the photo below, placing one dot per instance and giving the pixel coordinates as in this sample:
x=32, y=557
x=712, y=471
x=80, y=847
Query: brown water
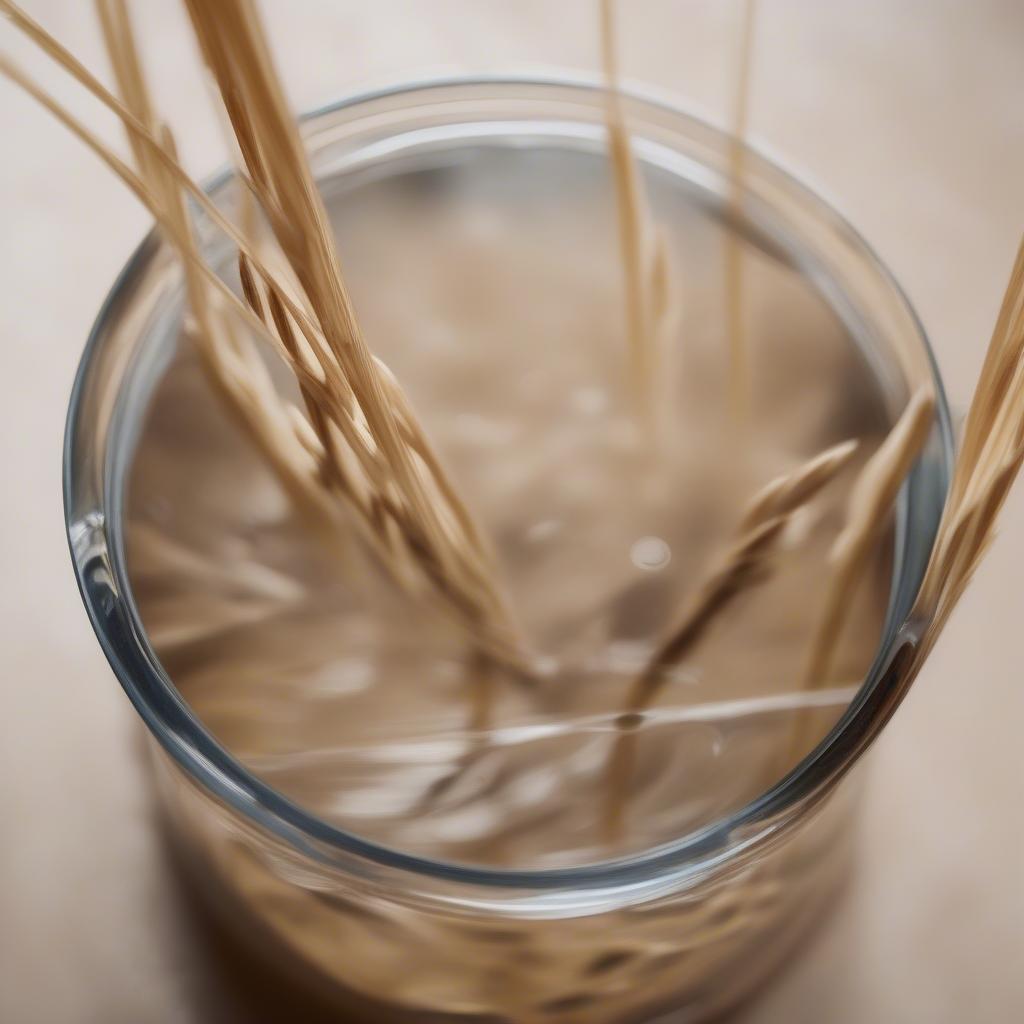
x=490, y=285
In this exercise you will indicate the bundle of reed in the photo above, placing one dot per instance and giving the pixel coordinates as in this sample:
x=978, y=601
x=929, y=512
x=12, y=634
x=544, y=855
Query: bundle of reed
x=989, y=460
x=986, y=467
x=356, y=452
x=987, y=464
x=649, y=280
x=651, y=295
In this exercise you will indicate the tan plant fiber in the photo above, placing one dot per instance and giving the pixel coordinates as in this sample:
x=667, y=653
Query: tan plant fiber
x=868, y=512
x=987, y=464
x=869, y=507
x=735, y=304
x=413, y=499
x=362, y=443
x=746, y=563
x=989, y=460
x=647, y=273
x=652, y=302
x=354, y=453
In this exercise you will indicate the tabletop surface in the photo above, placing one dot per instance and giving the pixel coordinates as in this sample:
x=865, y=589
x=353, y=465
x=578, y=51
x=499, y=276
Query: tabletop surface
x=906, y=113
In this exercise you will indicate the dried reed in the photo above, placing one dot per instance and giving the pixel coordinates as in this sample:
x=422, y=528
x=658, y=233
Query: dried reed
x=739, y=356
x=359, y=439
x=746, y=563
x=651, y=300
x=652, y=306
x=989, y=461
x=357, y=445
x=987, y=465
x=413, y=503
x=868, y=511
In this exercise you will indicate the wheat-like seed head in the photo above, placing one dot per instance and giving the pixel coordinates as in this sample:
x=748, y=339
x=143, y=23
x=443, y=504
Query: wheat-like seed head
x=747, y=562
x=868, y=510
x=989, y=460
x=355, y=452
x=413, y=497
x=357, y=437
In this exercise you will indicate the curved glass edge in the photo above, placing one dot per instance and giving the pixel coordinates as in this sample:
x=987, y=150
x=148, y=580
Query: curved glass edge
x=202, y=757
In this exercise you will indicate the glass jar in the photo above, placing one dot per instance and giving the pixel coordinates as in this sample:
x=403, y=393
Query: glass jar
x=686, y=926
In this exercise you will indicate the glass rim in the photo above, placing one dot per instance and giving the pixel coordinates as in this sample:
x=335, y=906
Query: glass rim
x=209, y=764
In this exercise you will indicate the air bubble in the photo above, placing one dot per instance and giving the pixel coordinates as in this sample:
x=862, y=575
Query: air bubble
x=650, y=554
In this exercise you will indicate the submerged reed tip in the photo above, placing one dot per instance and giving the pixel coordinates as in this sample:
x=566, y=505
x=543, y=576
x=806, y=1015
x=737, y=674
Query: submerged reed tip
x=629, y=721
x=840, y=453
x=789, y=491
x=922, y=401
x=542, y=666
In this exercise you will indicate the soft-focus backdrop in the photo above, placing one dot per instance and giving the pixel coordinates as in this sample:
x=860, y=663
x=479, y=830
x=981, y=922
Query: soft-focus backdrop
x=907, y=114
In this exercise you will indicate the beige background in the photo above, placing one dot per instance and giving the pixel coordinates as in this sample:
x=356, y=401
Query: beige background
x=909, y=115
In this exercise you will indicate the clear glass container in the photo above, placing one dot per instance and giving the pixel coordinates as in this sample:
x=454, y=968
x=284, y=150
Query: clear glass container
x=694, y=919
